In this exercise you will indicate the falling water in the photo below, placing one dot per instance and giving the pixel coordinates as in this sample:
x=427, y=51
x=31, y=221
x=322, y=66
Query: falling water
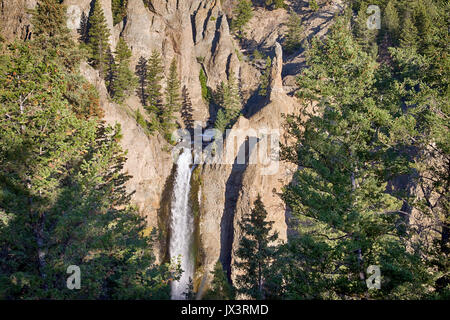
x=182, y=224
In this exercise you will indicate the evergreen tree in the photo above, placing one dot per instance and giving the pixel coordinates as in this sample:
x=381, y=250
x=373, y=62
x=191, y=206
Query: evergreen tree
x=111, y=72
x=141, y=73
x=54, y=38
x=408, y=37
x=119, y=10
x=340, y=195
x=221, y=122
x=62, y=195
x=186, y=109
x=265, y=78
x=294, y=34
x=98, y=39
x=231, y=100
x=275, y=4
x=243, y=12
x=391, y=20
x=125, y=81
x=365, y=36
x=203, y=80
x=49, y=18
x=219, y=289
x=154, y=77
x=173, y=97
x=255, y=252
x=83, y=30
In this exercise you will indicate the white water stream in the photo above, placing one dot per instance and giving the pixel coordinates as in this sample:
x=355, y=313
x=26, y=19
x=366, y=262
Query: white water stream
x=182, y=224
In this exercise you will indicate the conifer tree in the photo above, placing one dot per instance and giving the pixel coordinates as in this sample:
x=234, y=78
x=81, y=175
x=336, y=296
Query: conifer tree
x=365, y=36
x=219, y=289
x=186, y=109
x=154, y=78
x=221, y=122
x=111, y=72
x=408, y=36
x=294, y=34
x=173, y=96
x=49, y=18
x=340, y=193
x=63, y=200
x=98, y=38
x=119, y=10
x=232, y=98
x=265, y=78
x=83, y=30
x=255, y=252
x=50, y=28
x=125, y=81
x=141, y=73
x=243, y=12
x=391, y=20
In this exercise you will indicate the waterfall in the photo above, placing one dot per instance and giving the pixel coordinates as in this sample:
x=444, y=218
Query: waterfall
x=182, y=224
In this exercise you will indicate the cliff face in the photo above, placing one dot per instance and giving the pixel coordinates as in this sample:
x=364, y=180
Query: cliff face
x=197, y=34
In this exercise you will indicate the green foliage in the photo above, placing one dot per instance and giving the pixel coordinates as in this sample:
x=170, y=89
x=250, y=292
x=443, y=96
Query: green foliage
x=255, y=252
x=313, y=5
x=347, y=158
x=276, y=4
x=125, y=81
x=141, y=73
x=219, y=289
x=391, y=21
x=119, y=10
x=98, y=39
x=205, y=90
x=265, y=78
x=294, y=35
x=62, y=195
x=154, y=78
x=366, y=38
x=243, y=12
x=229, y=98
x=172, y=97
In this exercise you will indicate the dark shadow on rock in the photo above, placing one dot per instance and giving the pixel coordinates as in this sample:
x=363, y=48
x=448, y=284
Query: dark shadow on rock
x=233, y=186
x=186, y=110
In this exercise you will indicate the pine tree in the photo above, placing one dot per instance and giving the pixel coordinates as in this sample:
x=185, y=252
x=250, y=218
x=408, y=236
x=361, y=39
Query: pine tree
x=173, y=97
x=232, y=98
x=391, y=20
x=111, y=72
x=54, y=38
x=141, y=73
x=154, y=77
x=98, y=39
x=265, y=78
x=186, y=109
x=340, y=195
x=219, y=289
x=255, y=252
x=243, y=12
x=221, y=122
x=294, y=34
x=49, y=18
x=408, y=37
x=365, y=36
x=125, y=81
x=119, y=10
x=275, y=4
x=63, y=193
x=203, y=80
x=83, y=30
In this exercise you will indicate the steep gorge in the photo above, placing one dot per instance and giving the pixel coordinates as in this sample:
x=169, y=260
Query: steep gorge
x=197, y=33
